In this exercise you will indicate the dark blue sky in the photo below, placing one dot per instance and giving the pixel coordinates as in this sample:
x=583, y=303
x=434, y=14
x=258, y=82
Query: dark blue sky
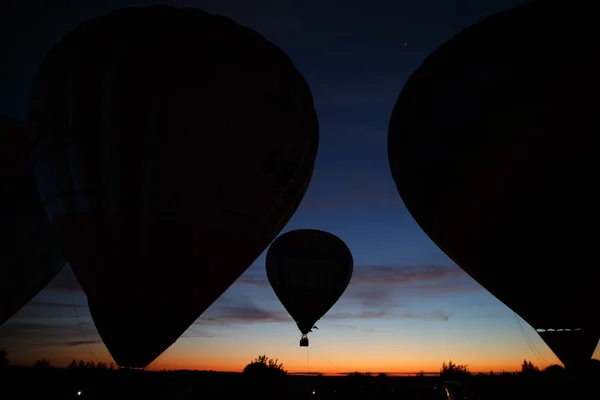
x=406, y=296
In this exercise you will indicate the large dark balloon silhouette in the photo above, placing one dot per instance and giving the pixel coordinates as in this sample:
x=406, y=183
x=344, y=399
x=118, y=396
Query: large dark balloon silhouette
x=29, y=256
x=171, y=147
x=308, y=270
x=493, y=148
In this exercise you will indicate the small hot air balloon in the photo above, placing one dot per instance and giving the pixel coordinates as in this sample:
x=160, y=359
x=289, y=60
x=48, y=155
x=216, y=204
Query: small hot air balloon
x=309, y=270
x=493, y=148
x=29, y=256
x=170, y=148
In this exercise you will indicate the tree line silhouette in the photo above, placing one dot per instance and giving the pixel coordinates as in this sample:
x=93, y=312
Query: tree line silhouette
x=271, y=366
x=269, y=379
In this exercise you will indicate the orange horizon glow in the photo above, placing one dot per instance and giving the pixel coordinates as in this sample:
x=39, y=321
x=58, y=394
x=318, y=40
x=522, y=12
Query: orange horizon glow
x=458, y=322
x=299, y=370
x=295, y=363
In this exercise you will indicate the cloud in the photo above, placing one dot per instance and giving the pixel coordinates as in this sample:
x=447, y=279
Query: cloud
x=40, y=308
x=385, y=288
x=407, y=274
x=55, y=333
x=426, y=280
x=195, y=333
x=256, y=281
x=435, y=315
x=353, y=327
x=393, y=275
x=250, y=313
x=372, y=297
x=256, y=276
x=378, y=289
x=360, y=315
x=74, y=343
x=242, y=314
x=18, y=327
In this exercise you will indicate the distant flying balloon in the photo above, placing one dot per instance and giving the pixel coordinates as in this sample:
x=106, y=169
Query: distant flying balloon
x=309, y=270
x=493, y=148
x=29, y=257
x=171, y=147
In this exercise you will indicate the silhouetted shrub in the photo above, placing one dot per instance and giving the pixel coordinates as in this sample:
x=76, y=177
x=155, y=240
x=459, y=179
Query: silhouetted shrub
x=43, y=363
x=262, y=366
x=454, y=372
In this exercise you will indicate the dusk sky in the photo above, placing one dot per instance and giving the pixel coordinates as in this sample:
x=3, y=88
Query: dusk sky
x=408, y=307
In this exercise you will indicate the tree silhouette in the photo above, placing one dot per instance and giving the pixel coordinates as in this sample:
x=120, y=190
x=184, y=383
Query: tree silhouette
x=3, y=358
x=453, y=371
x=43, y=363
x=89, y=365
x=527, y=368
x=263, y=366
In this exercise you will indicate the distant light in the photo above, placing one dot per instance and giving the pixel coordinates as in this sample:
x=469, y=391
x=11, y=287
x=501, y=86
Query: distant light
x=79, y=393
x=313, y=391
x=406, y=43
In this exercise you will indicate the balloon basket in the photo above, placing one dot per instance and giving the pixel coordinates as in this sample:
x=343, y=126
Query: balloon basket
x=304, y=341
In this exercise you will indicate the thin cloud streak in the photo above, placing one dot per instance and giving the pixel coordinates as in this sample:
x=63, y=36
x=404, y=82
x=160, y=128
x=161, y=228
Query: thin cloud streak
x=244, y=314
x=16, y=334
x=381, y=275
x=75, y=343
x=375, y=287
x=434, y=315
x=194, y=333
x=405, y=274
x=361, y=315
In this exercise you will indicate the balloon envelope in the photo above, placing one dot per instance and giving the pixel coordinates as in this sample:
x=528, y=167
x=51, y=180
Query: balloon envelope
x=308, y=270
x=29, y=256
x=493, y=148
x=171, y=147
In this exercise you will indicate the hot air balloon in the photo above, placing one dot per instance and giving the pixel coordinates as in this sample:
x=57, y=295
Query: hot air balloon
x=29, y=256
x=309, y=270
x=492, y=146
x=170, y=148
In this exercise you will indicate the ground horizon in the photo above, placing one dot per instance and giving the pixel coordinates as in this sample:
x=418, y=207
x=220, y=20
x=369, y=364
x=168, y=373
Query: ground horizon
x=79, y=363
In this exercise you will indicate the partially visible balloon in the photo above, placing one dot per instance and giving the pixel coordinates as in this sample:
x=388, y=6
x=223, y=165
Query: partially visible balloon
x=493, y=147
x=309, y=270
x=171, y=147
x=29, y=256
